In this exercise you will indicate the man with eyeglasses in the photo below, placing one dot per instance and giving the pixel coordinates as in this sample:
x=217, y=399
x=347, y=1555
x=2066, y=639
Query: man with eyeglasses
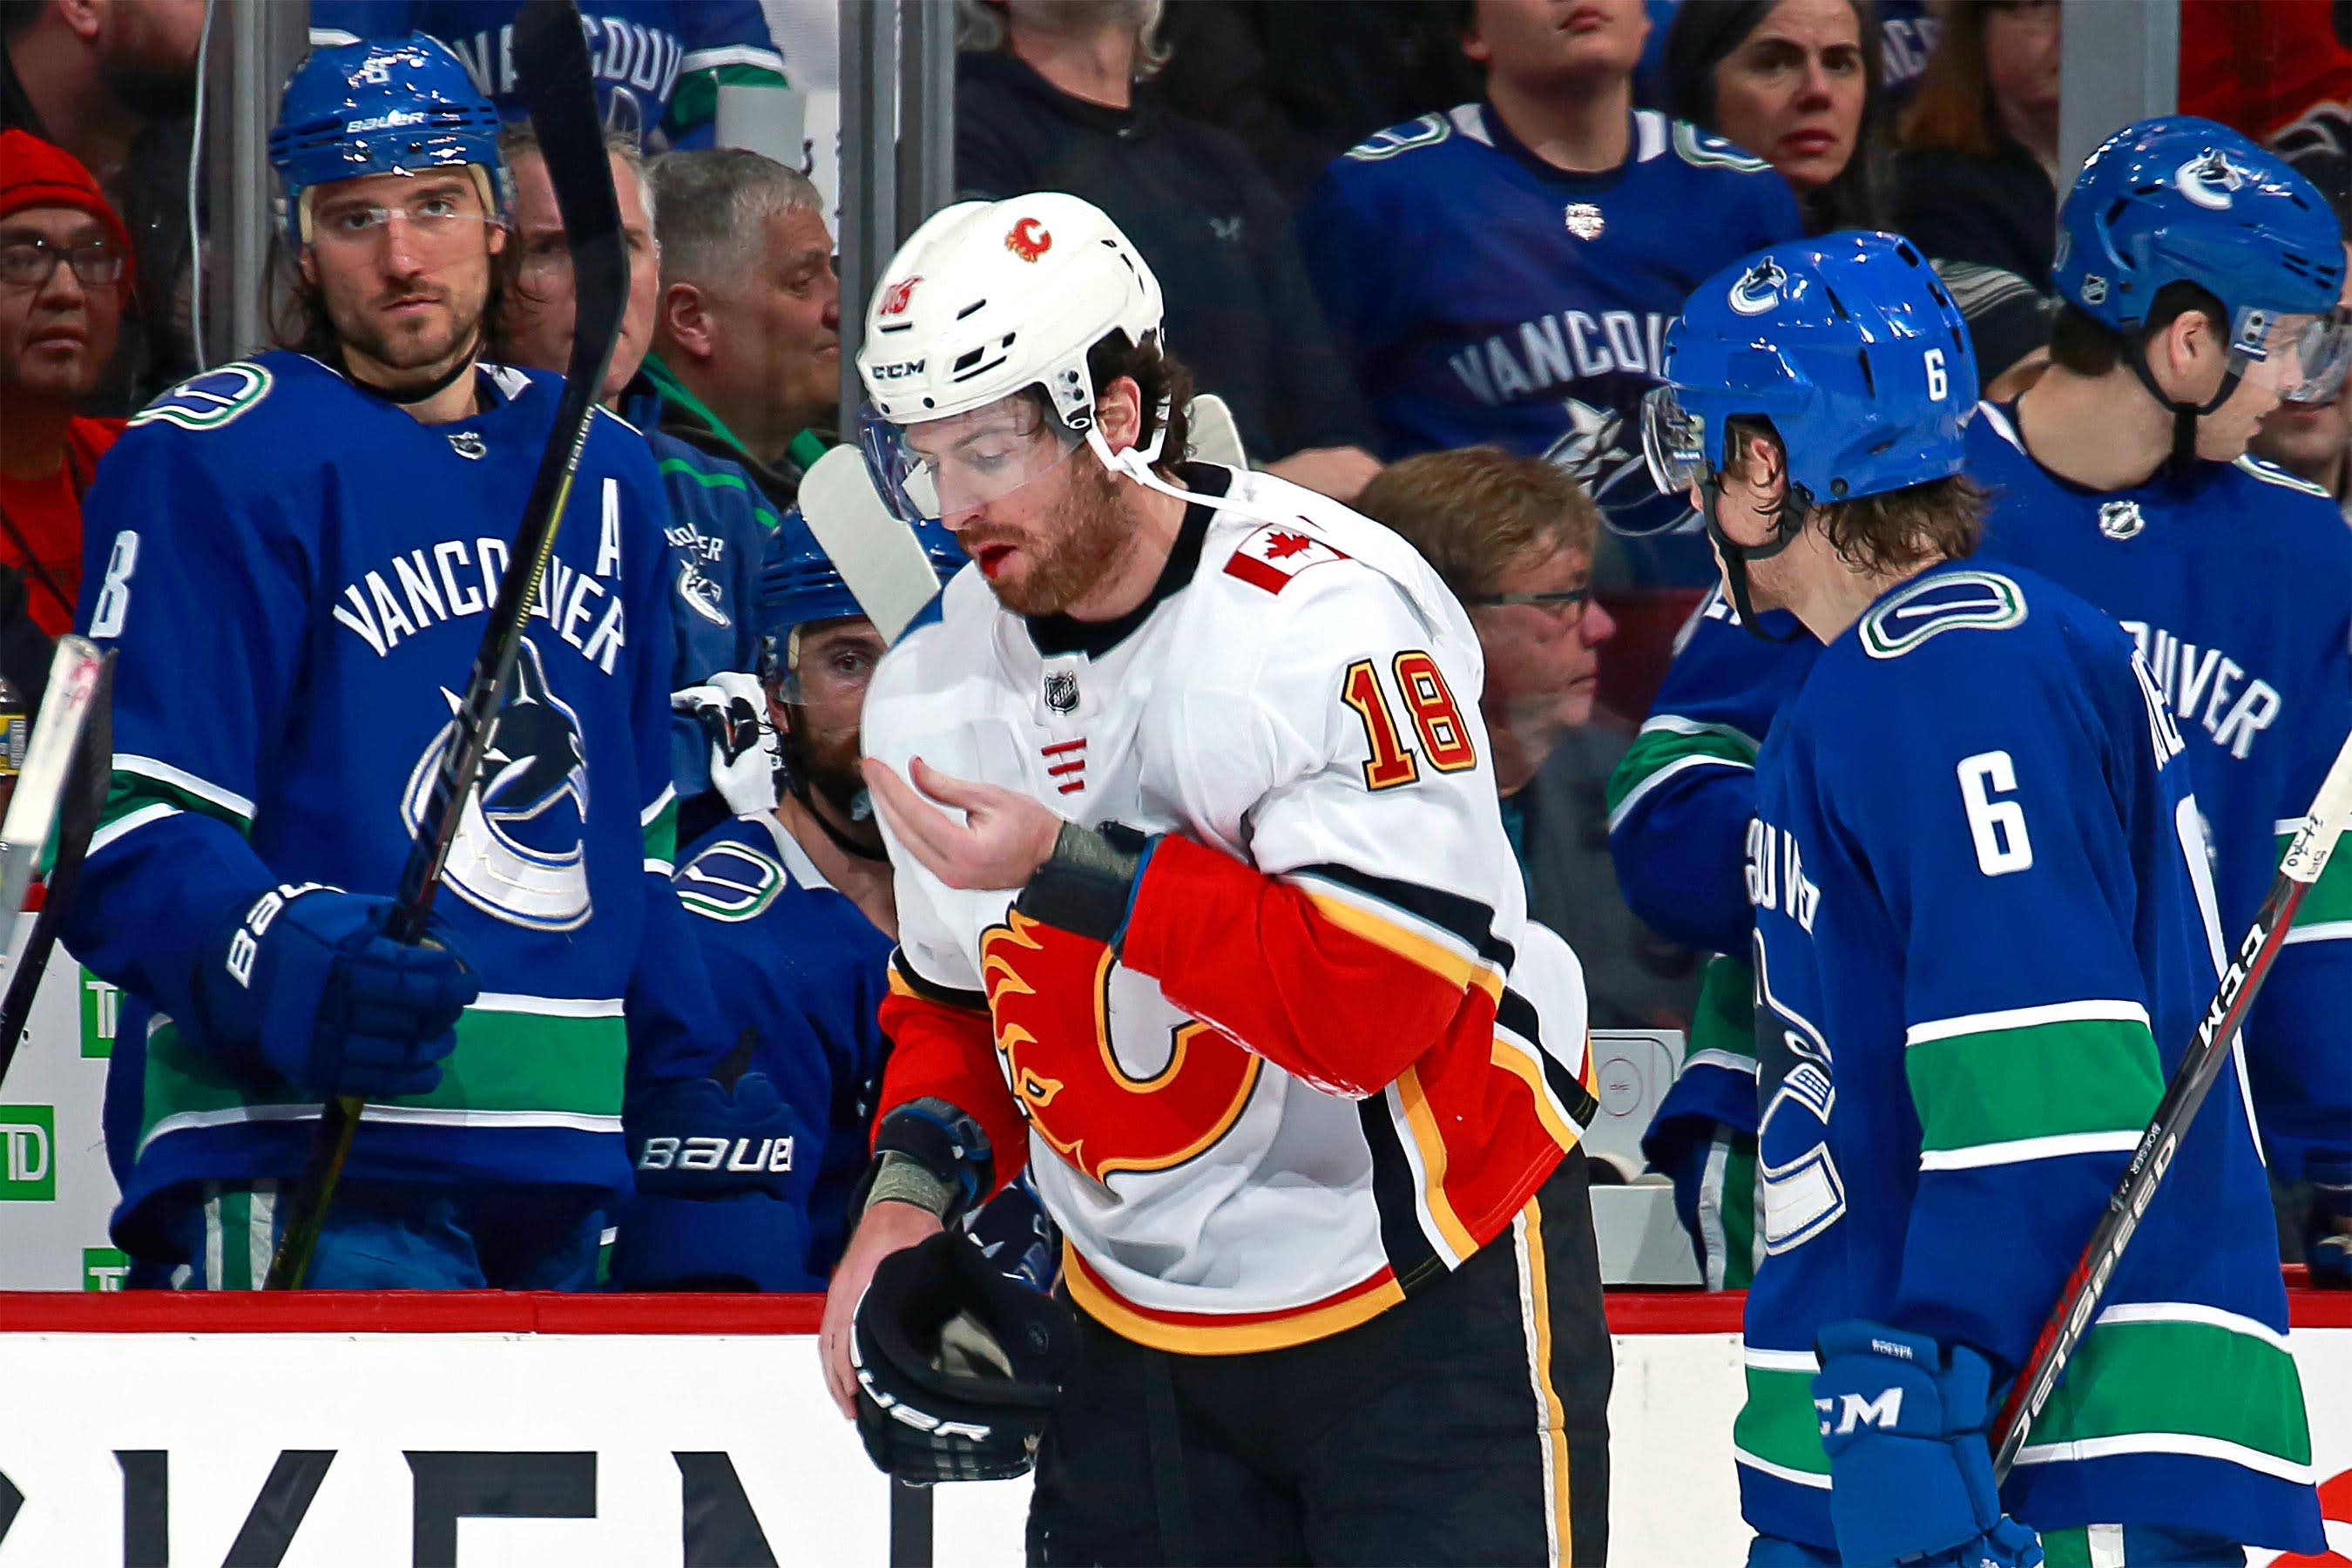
x=65, y=271
x=1513, y=536
x=720, y=521
x=294, y=554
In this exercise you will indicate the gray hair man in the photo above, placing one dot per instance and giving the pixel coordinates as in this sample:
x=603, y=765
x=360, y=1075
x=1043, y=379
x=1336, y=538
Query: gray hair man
x=747, y=336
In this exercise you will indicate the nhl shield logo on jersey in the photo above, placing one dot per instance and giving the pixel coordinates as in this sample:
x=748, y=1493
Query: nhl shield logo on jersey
x=2121, y=519
x=1272, y=556
x=1584, y=220
x=520, y=854
x=1062, y=692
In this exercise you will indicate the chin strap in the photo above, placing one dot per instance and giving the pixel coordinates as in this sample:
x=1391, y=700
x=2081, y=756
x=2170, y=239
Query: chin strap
x=856, y=804
x=1736, y=558
x=2183, y=458
x=407, y=396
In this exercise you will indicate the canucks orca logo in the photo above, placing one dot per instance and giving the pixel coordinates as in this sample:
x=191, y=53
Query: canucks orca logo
x=1759, y=289
x=1602, y=449
x=2211, y=181
x=519, y=854
x=700, y=593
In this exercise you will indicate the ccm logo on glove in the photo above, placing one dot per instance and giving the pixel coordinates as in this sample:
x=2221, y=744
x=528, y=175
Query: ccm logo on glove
x=1853, y=1410
x=665, y=1153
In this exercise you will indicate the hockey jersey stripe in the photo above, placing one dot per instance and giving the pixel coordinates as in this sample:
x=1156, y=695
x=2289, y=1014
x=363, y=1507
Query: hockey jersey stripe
x=2006, y=1086
x=1396, y=1192
x=2141, y=1385
x=1466, y=920
x=906, y=981
x=1202, y=1334
x=1778, y=1430
x=2019, y=1151
x=1658, y=756
x=1424, y=1145
x=131, y=821
x=1414, y=943
x=226, y=803
x=526, y=1059
x=2329, y=901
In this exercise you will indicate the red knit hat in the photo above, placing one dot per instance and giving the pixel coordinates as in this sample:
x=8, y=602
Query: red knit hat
x=36, y=174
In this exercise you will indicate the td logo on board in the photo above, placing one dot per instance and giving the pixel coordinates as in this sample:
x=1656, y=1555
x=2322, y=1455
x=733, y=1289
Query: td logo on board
x=99, y=1002
x=28, y=1170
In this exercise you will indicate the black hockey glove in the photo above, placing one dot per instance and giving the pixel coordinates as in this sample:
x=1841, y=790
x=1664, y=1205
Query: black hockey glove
x=1085, y=886
x=957, y=1367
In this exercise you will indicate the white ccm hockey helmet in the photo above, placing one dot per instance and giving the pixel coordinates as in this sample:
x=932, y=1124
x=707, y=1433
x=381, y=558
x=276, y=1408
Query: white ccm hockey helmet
x=985, y=300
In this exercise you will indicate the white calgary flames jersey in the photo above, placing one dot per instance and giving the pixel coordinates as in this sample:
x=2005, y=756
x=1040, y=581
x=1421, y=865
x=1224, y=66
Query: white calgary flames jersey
x=1329, y=1057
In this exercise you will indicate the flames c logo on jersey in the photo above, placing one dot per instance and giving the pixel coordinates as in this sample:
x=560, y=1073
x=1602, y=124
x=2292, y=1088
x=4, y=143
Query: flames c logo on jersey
x=895, y=296
x=519, y=854
x=1029, y=239
x=1110, y=1073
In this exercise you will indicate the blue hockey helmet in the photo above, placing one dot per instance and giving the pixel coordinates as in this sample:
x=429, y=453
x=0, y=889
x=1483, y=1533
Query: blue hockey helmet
x=1849, y=344
x=1853, y=349
x=2180, y=199
x=799, y=584
x=379, y=107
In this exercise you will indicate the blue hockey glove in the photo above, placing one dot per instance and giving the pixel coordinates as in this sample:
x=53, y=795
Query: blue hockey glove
x=723, y=1183
x=307, y=978
x=2327, y=1224
x=1013, y=1231
x=1902, y=1421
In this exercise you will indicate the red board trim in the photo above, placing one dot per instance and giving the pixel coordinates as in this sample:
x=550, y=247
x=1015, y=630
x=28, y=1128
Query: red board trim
x=548, y=1312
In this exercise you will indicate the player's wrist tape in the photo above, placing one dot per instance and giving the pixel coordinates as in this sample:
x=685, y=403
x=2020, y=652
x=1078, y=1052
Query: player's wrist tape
x=928, y=1154
x=1088, y=885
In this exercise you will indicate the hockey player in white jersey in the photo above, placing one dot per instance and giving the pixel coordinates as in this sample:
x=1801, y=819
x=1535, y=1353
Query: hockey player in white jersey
x=1206, y=910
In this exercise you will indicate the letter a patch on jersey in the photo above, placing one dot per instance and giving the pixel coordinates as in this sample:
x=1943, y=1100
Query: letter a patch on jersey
x=1272, y=556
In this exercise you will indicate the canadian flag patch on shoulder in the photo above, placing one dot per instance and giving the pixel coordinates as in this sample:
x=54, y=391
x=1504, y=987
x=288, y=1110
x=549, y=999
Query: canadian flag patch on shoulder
x=1276, y=554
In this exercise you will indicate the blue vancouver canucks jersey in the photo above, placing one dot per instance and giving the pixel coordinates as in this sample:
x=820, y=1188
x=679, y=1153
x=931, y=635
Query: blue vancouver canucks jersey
x=2261, y=678
x=1984, y=936
x=658, y=63
x=296, y=573
x=800, y=965
x=1483, y=295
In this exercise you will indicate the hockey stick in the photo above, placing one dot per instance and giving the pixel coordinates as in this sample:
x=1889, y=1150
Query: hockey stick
x=64, y=773
x=2078, y=1303
x=880, y=561
x=550, y=55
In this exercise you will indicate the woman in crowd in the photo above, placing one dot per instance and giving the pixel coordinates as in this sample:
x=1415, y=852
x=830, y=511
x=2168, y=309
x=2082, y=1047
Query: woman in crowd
x=1796, y=82
x=1977, y=144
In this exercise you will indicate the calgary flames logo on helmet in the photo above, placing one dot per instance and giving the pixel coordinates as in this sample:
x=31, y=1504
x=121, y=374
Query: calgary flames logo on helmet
x=895, y=296
x=1113, y=1076
x=1029, y=239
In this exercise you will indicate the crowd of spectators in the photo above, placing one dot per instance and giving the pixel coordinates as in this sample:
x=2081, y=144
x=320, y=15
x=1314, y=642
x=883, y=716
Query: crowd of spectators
x=1424, y=250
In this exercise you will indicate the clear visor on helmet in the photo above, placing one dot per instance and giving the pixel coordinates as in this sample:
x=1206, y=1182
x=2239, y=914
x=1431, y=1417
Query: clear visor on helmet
x=947, y=468
x=1674, y=442
x=2300, y=356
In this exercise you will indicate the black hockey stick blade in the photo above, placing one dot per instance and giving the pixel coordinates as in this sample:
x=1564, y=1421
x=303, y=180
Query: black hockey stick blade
x=2078, y=1303
x=556, y=83
x=91, y=770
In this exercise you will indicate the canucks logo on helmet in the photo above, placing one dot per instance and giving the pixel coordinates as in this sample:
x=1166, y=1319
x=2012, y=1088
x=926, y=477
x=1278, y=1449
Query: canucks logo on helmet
x=520, y=855
x=1759, y=289
x=2212, y=180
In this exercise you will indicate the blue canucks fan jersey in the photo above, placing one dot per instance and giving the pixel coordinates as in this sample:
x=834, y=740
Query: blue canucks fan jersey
x=658, y=63
x=295, y=632
x=1984, y=936
x=791, y=958
x=1483, y=295
x=2261, y=681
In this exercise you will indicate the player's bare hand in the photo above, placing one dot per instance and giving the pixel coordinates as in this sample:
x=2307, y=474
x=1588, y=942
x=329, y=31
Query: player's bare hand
x=1005, y=836
x=884, y=1229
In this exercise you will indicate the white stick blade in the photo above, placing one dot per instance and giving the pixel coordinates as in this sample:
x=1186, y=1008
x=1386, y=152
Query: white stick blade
x=49, y=761
x=1214, y=437
x=878, y=557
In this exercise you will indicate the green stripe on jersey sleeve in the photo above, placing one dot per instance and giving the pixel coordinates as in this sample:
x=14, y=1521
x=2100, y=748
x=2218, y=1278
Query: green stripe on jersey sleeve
x=127, y=793
x=2172, y=1378
x=2329, y=901
x=1667, y=743
x=661, y=831
x=2061, y=1078
x=1778, y=1427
